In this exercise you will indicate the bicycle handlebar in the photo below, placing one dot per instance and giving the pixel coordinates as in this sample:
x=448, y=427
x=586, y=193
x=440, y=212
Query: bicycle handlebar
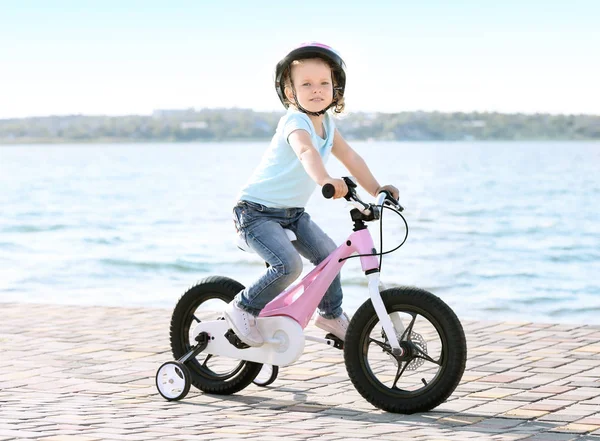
x=370, y=212
x=385, y=196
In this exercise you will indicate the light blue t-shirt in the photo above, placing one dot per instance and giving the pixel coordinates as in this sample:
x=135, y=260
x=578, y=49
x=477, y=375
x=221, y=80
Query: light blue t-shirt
x=280, y=180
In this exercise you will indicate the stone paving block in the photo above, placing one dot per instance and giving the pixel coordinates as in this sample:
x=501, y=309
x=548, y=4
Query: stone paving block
x=577, y=428
x=461, y=420
x=70, y=438
x=494, y=393
x=593, y=419
x=506, y=377
x=553, y=437
x=458, y=405
x=525, y=413
x=495, y=408
x=546, y=405
x=580, y=393
x=553, y=389
x=530, y=397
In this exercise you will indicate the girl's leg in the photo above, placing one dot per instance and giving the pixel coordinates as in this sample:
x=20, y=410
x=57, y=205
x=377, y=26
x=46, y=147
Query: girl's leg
x=268, y=239
x=315, y=245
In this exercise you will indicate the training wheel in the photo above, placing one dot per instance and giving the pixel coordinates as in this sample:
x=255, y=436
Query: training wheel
x=267, y=375
x=173, y=380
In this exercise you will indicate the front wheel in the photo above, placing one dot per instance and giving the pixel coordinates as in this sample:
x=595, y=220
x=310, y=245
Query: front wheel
x=434, y=352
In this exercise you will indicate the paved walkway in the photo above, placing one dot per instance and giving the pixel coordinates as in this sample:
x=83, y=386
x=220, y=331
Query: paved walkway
x=87, y=373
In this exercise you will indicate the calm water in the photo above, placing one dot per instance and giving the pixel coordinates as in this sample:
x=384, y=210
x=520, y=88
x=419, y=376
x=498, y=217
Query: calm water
x=507, y=231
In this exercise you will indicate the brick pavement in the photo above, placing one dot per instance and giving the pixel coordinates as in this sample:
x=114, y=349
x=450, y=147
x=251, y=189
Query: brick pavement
x=87, y=373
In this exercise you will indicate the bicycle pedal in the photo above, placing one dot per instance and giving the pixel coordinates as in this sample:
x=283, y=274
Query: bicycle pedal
x=235, y=340
x=337, y=342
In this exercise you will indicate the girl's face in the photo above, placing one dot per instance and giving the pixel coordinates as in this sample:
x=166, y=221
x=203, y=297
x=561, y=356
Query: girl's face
x=313, y=84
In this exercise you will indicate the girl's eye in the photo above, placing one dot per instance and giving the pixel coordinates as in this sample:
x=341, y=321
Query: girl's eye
x=325, y=83
x=306, y=84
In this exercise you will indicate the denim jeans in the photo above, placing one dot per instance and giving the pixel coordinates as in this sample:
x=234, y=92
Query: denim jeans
x=262, y=229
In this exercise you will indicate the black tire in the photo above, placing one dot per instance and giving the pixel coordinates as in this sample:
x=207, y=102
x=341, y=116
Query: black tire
x=210, y=374
x=375, y=372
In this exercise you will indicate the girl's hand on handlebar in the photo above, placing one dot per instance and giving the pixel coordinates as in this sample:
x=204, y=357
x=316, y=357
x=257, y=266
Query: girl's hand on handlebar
x=341, y=189
x=391, y=189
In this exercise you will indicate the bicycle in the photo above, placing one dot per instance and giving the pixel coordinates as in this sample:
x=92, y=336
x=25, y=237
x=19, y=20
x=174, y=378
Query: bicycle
x=394, y=367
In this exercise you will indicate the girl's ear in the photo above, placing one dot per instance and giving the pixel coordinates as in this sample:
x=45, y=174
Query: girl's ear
x=289, y=94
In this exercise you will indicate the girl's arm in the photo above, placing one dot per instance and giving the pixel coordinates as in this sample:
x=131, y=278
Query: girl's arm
x=313, y=164
x=357, y=167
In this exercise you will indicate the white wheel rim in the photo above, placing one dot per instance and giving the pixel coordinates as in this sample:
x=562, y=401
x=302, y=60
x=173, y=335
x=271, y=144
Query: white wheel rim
x=170, y=380
x=265, y=374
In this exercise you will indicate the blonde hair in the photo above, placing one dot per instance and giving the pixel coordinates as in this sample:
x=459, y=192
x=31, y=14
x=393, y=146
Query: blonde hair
x=338, y=96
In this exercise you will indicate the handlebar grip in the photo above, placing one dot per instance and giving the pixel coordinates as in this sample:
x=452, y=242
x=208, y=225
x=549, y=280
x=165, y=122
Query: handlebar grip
x=328, y=191
x=391, y=199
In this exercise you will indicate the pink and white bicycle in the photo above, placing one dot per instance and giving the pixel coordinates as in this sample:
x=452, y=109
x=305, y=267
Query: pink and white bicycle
x=404, y=351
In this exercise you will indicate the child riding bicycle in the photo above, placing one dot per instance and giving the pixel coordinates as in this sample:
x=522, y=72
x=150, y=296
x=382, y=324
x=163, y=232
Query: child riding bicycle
x=310, y=80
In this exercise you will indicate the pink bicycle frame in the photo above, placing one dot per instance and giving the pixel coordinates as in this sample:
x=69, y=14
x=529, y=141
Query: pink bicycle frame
x=300, y=301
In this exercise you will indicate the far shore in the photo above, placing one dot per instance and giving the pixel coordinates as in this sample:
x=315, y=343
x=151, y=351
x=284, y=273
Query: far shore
x=256, y=140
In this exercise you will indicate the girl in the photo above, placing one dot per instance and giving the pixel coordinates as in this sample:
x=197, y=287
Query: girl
x=310, y=80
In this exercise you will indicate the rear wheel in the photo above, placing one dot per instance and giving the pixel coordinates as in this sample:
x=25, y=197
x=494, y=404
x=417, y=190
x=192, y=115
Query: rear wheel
x=433, y=343
x=209, y=373
x=267, y=375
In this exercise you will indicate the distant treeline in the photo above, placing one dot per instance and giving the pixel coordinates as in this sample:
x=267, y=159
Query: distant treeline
x=243, y=124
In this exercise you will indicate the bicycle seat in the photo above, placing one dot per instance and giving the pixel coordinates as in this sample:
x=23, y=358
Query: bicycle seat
x=242, y=245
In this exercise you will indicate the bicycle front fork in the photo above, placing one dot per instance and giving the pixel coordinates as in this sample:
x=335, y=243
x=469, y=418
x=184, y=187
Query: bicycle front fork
x=386, y=322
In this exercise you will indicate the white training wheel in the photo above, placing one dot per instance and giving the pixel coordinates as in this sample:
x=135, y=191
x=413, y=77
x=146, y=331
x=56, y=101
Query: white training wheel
x=267, y=375
x=173, y=380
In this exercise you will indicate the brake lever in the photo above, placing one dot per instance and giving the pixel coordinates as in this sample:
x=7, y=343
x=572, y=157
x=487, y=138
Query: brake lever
x=390, y=200
x=353, y=197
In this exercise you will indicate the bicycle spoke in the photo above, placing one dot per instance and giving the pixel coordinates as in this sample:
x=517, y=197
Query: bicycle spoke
x=381, y=344
x=408, y=330
x=399, y=374
x=208, y=357
x=195, y=318
x=424, y=356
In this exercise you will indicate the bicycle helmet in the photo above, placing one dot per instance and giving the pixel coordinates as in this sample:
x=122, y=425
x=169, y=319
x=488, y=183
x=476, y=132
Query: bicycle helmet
x=312, y=50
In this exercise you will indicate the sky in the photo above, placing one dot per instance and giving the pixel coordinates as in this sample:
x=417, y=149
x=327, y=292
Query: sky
x=132, y=57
